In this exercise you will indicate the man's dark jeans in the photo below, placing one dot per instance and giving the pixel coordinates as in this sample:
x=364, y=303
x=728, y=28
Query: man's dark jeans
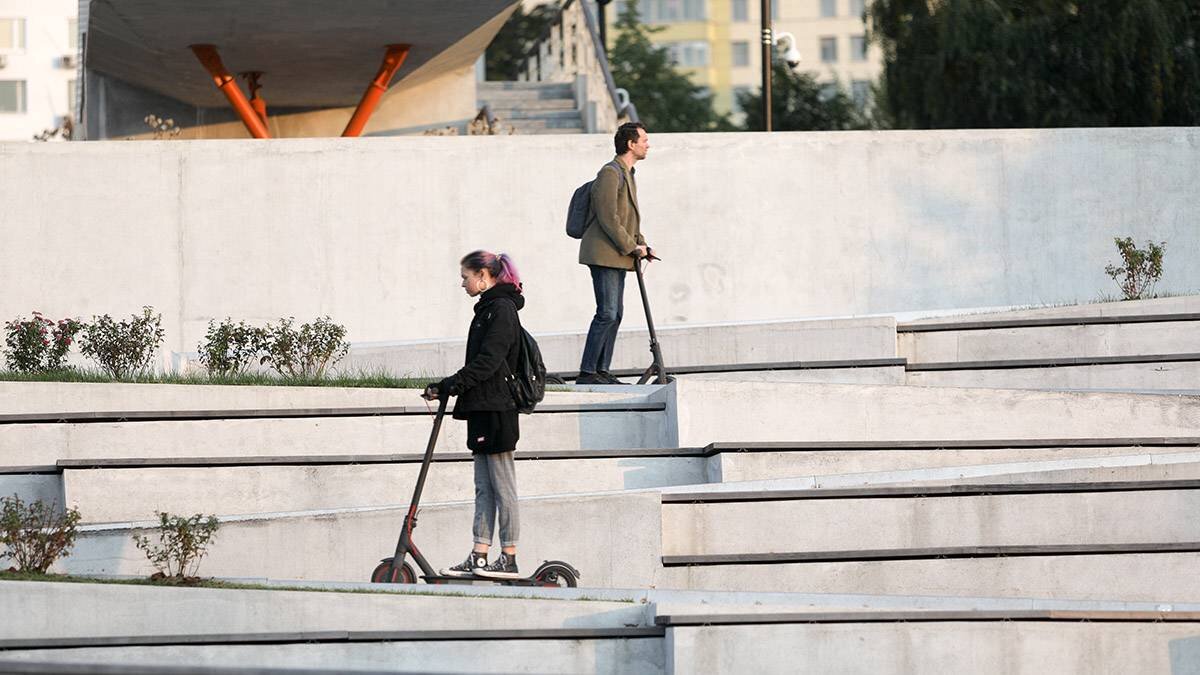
x=609, y=286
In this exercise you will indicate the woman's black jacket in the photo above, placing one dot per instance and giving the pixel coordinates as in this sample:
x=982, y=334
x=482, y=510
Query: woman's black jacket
x=493, y=339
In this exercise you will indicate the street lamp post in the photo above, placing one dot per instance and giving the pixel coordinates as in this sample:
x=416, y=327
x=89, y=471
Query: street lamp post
x=768, y=46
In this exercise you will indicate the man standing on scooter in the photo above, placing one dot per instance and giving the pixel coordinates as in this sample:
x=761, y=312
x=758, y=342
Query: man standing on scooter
x=611, y=245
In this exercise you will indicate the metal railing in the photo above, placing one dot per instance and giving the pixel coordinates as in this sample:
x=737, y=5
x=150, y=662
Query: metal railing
x=571, y=51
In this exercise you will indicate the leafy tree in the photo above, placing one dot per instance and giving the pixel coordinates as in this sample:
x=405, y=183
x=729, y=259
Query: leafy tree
x=1038, y=63
x=506, y=54
x=798, y=104
x=666, y=99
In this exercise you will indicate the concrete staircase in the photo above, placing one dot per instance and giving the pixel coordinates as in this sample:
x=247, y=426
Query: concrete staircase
x=533, y=107
x=726, y=522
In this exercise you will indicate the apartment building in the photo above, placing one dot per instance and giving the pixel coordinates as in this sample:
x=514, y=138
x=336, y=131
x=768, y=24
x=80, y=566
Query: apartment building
x=716, y=42
x=39, y=53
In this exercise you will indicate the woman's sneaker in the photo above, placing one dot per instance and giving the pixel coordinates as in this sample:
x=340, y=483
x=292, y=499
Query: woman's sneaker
x=505, y=567
x=467, y=568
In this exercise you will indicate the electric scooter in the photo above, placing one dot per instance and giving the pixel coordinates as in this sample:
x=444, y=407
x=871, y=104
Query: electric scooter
x=656, y=371
x=396, y=570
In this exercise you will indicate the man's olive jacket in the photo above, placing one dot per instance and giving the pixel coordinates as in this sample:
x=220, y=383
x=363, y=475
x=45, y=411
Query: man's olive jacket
x=614, y=223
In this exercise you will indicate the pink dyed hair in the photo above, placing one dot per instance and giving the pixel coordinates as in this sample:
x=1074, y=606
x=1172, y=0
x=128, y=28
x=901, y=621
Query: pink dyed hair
x=501, y=266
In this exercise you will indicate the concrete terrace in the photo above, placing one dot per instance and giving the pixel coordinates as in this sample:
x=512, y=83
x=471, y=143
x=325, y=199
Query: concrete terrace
x=767, y=501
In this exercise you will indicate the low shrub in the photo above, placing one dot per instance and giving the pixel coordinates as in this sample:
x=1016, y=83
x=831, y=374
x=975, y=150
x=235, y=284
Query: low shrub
x=1140, y=268
x=123, y=348
x=229, y=348
x=36, y=533
x=38, y=344
x=182, y=543
x=307, y=352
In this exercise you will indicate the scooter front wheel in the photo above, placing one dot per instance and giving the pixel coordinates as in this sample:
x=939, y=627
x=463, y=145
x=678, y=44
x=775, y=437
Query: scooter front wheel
x=556, y=574
x=385, y=573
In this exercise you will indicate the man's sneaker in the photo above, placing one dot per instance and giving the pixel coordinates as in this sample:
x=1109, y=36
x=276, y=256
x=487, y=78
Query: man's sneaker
x=467, y=568
x=505, y=567
x=589, y=378
x=608, y=378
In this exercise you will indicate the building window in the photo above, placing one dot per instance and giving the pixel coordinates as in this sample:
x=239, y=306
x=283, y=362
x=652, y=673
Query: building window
x=858, y=7
x=860, y=91
x=73, y=35
x=670, y=11
x=71, y=97
x=741, y=54
x=829, y=50
x=828, y=8
x=828, y=91
x=12, y=34
x=688, y=54
x=12, y=96
x=858, y=47
x=741, y=10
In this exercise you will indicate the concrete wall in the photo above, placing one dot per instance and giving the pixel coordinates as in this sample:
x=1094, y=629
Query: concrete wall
x=370, y=231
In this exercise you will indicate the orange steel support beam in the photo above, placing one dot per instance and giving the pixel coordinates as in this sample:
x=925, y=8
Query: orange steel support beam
x=256, y=101
x=211, y=60
x=392, y=61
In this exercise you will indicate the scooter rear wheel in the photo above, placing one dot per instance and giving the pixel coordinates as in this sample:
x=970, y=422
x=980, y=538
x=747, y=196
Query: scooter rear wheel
x=555, y=574
x=386, y=574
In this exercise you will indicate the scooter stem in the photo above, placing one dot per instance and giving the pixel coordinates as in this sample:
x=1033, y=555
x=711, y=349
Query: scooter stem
x=657, y=370
x=405, y=545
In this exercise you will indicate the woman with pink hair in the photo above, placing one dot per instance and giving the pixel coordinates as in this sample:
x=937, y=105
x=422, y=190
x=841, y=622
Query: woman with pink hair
x=485, y=402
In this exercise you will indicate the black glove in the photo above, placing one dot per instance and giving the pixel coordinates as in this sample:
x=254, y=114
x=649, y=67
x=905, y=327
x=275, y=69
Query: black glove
x=444, y=388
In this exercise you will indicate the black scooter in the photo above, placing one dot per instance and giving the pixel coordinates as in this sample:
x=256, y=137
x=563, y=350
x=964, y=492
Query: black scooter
x=396, y=570
x=656, y=371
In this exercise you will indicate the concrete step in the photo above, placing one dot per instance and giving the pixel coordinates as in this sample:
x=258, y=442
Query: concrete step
x=873, y=522
x=753, y=342
x=715, y=412
x=513, y=115
x=66, y=611
x=562, y=652
x=262, y=489
x=1166, y=373
x=265, y=484
x=521, y=86
x=1183, y=304
x=1002, y=339
x=45, y=444
x=541, y=125
x=923, y=642
x=505, y=105
x=1141, y=577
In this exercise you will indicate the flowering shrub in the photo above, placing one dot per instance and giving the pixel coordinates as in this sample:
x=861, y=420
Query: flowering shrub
x=36, y=534
x=38, y=344
x=126, y=347
x=182, y=543
x=229, y=348
x=306, y=352
x=1140, y=268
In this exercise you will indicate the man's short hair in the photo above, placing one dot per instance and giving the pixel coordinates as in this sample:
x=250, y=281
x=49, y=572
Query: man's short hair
x=626, y=133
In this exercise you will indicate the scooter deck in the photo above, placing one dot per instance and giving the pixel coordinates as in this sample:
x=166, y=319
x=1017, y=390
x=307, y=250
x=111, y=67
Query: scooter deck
x=520, y=581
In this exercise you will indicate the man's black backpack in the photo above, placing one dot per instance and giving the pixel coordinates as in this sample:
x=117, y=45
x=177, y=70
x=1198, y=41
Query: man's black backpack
x=581, y=206
x=528, y=383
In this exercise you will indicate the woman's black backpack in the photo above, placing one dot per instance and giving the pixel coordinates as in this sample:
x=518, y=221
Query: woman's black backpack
x=528, y=383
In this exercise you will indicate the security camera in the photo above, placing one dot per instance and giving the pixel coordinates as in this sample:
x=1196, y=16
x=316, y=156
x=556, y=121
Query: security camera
x=792, y=55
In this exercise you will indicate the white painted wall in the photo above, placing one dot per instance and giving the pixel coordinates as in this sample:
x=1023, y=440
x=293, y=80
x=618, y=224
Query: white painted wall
x=47, y=39
x=750, y=226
